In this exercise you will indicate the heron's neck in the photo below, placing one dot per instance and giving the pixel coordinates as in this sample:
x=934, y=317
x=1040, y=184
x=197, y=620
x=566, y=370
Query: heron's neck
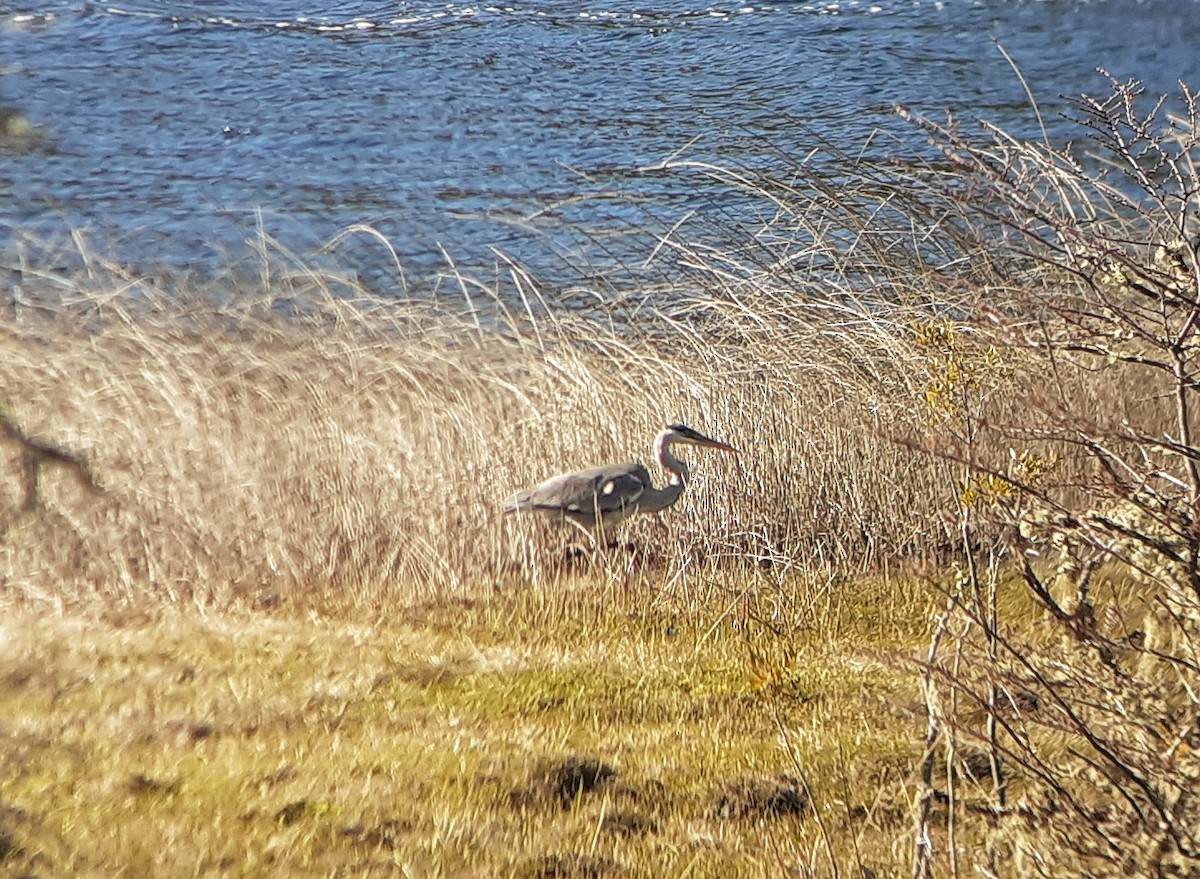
x=662, y=451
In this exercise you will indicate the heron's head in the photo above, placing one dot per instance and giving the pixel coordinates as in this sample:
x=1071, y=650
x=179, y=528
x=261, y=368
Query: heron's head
x=684, y=435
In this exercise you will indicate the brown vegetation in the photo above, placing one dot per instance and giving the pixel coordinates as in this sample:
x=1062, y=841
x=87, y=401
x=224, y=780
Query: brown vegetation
x=296, y=438
x=980, y=367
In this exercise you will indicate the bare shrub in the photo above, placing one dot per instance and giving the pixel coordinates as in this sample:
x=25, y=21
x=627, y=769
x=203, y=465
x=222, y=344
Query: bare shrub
x=1078, y=675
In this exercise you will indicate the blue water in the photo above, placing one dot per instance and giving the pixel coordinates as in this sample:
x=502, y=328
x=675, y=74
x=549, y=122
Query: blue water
x=173, y=129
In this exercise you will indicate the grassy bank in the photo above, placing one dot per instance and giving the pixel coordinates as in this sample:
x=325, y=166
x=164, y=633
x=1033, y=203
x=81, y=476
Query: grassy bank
x=261, y=613
x=458, y=740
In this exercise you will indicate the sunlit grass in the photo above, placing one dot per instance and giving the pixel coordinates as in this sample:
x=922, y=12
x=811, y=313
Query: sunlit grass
x=255, y=744
x=286, y=632
x=298, y=437
x=260, y=614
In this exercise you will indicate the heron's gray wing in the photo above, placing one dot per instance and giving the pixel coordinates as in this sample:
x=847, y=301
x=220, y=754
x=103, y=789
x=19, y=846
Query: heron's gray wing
x=603, y=489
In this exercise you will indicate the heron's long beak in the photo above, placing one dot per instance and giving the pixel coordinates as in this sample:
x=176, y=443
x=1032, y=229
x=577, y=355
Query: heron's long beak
x=718, y=445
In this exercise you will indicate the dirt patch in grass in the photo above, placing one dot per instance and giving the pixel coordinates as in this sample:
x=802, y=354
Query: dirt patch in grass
x=575, y=776
x=9, y=847
x=386, y=834
x=140, y=784
x=564, y=782
x=760, y=797
x=572, y=866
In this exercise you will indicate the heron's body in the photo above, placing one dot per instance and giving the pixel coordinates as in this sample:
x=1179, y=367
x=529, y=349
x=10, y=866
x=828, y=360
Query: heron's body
x=603, y=497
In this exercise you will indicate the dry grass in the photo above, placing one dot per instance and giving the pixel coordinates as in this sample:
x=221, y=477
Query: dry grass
x=262, y=615
x=359, y=449
x=452, y=743
x=191, y=684
x=276, y=625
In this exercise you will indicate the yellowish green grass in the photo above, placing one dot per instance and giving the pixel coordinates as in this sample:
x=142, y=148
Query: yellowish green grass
x=174, y=744
x=261, y=616
x=287, y=633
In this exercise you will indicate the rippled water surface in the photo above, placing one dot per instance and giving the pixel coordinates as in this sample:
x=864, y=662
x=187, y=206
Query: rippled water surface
x=452, y=128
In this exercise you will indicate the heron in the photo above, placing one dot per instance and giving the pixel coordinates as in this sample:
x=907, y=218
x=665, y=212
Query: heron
x=603, y=497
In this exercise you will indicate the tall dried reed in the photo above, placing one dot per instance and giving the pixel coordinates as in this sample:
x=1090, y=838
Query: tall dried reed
x=292, y=433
